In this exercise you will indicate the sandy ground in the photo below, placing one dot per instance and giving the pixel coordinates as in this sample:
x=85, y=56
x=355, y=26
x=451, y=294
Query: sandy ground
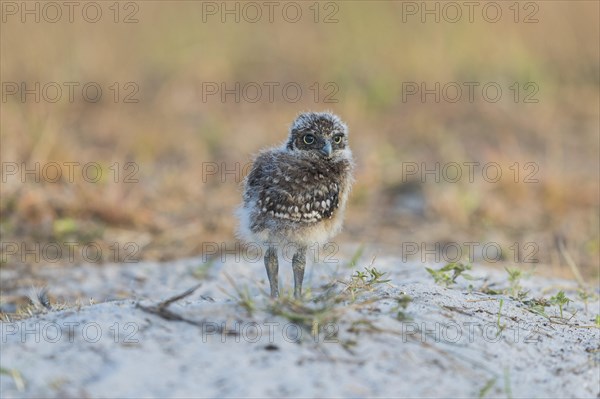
x=446, y=343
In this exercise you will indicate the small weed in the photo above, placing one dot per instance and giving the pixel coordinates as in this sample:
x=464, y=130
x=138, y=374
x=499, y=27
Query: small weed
x=361, y=326
x=448, y=274
x=538, y=306
x=58, y=383
x=537, y=309
x=507, y=388
x=323, y=312
x=585, y=296
x=522, y=295
x=561, y=300
x=371, y=276
x=486, y=388
x=245, y=300
x=16, y=376
x=500, y=326
x=514, y=280
x=327, y=309
x=402, y=302
x=200, y=272
x=242, y=296
x=364, y=281
x=598, y=320
x=306, y=315
x=490, y=291
x=357, y=255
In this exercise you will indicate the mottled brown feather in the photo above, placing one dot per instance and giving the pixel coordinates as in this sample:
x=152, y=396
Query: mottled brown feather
x=295, y=186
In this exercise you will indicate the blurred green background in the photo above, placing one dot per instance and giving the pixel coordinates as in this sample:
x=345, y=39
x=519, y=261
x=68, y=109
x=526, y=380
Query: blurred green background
x=364, y=58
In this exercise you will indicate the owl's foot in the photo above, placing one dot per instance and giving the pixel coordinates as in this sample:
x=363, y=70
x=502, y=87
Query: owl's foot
x=298, y=263
x=272, y=265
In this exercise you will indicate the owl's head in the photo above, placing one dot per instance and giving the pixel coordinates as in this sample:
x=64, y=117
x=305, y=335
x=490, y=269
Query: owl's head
x=321, y=133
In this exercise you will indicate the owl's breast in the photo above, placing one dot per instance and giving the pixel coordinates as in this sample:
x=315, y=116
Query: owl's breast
x=296, y=196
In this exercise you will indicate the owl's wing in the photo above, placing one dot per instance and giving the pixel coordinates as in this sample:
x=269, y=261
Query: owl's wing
x=286, y=187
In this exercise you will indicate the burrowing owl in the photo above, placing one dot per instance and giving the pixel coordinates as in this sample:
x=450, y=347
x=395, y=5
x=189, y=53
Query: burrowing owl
x=296, y=193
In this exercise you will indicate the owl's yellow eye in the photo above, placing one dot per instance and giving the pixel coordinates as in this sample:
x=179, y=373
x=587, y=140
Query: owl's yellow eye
x=309, y=139
x=337, y=139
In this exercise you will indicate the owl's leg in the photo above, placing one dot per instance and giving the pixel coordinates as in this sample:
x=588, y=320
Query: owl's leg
x=298, y=263
x=272, y=266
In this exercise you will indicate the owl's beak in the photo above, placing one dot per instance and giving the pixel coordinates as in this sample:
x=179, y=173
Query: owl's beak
x=326, y=150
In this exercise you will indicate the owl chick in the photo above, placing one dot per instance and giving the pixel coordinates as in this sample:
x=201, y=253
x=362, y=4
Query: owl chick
x=296, y=193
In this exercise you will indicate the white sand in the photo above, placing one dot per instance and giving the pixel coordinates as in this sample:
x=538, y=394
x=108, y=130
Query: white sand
x=115, y=349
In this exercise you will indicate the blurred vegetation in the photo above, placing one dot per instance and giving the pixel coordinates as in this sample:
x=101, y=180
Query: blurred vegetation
x=171, y=134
